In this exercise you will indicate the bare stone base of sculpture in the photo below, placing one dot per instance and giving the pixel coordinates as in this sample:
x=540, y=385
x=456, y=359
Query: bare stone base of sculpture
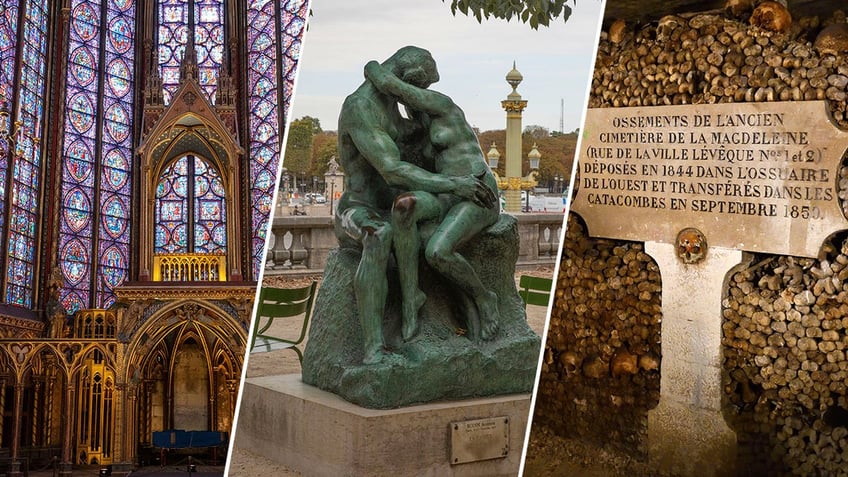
x=442, y=362
x=319, y=434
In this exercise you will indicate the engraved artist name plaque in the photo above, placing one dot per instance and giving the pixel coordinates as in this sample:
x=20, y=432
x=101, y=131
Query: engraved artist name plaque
x=479, y=439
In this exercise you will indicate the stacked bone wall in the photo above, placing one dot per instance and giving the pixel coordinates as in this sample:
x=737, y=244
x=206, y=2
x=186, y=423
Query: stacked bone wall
x=600, y=372
x=784, y=318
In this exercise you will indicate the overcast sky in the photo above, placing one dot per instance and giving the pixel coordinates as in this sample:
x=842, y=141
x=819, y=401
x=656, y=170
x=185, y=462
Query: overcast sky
x=473, y=59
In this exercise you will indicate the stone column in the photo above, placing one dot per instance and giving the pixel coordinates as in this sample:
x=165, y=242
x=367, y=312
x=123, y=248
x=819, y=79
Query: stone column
x=687, y=433
x=131, y=432
x=2, y=403
x=514, y=107
x=147, y=411
x=232, y=387
x=168, y=417
x=48, y=419
x=213, y=408
x=15, y=466
x=36, y=403
x=124, y=439
x=67, y=449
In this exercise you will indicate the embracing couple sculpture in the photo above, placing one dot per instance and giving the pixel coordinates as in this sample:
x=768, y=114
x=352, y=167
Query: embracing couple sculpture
x=401, y=172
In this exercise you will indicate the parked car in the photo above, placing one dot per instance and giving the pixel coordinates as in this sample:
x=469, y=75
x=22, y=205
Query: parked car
x=319, y=199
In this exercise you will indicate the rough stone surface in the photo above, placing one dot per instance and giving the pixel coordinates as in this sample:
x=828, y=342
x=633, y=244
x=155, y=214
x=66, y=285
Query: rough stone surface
x=441, y=362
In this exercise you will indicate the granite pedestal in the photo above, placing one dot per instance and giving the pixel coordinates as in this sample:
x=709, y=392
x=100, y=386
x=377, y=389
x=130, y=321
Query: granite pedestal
x=319, y=434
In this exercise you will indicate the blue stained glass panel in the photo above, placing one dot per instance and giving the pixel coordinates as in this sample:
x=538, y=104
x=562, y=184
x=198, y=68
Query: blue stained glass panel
x=114, y=217
x=119, y=77
x=85, y=20
x=114, y=229
x=120, y=34
x=89, y=154
x=81, y=112
x=74, y=263
x=24, y=205
x=82, y=66
x=173, y=36
x=178, y=212
x=172, y=210
x=263, y=60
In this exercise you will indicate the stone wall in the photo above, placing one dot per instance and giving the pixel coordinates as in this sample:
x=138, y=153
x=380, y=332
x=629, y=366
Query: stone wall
x=784, y=318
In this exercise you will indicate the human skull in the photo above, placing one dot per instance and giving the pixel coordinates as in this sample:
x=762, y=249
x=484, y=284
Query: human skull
x=771, y=16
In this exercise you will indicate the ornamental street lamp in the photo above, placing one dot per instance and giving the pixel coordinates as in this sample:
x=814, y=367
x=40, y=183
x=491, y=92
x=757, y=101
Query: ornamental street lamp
x=516, y=184
x=534, y=156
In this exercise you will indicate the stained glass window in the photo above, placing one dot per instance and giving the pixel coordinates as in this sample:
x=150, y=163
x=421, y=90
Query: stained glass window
x=274, y=32
x=208, y=39
x=171, y=208
x=94, y=229
x=190, y=210
x=23, y=47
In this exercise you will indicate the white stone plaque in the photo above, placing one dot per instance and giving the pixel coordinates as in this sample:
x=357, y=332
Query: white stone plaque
x=760, y=177
x=480, y=439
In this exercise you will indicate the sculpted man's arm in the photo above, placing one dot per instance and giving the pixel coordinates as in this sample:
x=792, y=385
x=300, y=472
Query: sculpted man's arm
x=383, y=154
x=376, y=146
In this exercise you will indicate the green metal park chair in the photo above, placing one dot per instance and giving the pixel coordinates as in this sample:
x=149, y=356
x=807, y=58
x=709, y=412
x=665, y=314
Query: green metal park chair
x=275, y=303
x=535, y=290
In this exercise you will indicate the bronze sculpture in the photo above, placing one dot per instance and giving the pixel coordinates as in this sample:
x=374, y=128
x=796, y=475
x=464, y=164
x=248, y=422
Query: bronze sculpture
x=451, y=326
x=370, y=130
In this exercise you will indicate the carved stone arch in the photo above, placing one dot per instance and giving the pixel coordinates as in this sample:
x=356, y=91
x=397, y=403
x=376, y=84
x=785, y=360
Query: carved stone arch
x=18, y=354
x=6, y=367
x=42, y=349
x=154, y=365
x=44, y=379
x=166, y=320
x=224, y=356
x=226, y=374
x=192, y=331
x=190, y=135
x=86, y=350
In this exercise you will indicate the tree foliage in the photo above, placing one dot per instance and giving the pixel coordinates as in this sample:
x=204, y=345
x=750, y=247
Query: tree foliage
x=532, y=12
x=324, y=146
x=557, y=153
x=298, y=155
x=536, y=131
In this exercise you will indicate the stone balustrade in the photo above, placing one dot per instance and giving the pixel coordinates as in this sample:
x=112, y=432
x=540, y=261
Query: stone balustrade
x=95, y=323
x=299, y=244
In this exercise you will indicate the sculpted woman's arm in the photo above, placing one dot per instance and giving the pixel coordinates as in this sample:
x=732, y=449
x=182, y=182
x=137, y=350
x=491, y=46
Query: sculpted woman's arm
x=425, y=100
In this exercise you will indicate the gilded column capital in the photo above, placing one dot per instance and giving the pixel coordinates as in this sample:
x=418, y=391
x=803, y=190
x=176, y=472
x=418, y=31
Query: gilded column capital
x=514, y=105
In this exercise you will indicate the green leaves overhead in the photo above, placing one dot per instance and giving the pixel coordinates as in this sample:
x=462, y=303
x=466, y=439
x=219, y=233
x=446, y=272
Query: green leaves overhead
x=532, y=12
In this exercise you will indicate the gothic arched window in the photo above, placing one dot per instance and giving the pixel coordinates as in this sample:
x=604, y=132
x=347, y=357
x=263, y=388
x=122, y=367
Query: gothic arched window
x=208, y=38
x=274, y=32
x=191, y=209
x=94, y=228
x=23, y=46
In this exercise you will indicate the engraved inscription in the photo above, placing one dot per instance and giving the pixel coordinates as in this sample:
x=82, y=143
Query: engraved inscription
x=480, y=439
x=760, y=177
